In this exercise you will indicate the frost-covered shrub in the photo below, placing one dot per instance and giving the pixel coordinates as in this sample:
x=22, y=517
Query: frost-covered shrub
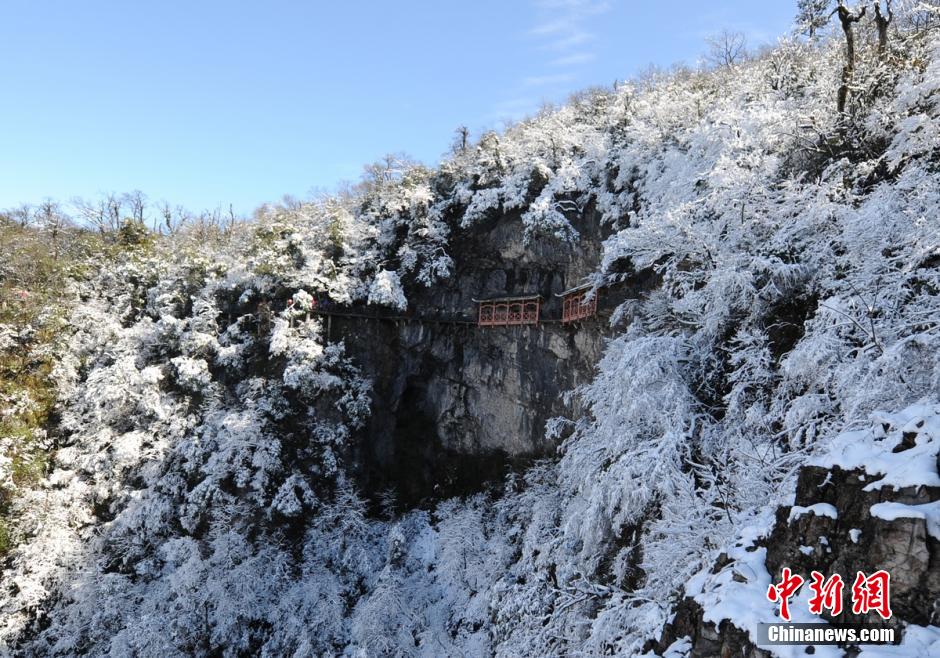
x=386, y=291
x=192, y=374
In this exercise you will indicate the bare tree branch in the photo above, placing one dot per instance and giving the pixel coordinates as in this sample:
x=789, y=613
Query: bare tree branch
x=726, y=49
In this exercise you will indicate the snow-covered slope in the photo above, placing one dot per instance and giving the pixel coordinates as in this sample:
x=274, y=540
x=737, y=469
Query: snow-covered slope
x=204, y=501
x=868, y=501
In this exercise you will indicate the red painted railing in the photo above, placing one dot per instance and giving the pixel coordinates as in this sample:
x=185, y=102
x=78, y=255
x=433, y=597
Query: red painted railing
x=508, y=312
x=576, y=307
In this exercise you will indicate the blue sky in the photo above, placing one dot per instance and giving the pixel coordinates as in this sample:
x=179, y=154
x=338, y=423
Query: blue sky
x=211, y=102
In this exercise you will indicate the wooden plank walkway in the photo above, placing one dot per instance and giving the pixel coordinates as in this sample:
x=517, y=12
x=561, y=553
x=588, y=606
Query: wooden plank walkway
x=421, y=319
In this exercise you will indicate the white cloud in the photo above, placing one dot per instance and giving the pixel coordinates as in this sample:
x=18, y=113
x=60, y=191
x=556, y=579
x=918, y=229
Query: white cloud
x=563, y=28
x=562, y=24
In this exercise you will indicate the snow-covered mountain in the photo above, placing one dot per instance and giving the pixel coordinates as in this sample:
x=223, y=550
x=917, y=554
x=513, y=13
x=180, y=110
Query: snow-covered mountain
x=236, y=474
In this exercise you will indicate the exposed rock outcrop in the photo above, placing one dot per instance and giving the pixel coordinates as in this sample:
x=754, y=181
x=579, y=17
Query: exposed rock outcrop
x=845, y=520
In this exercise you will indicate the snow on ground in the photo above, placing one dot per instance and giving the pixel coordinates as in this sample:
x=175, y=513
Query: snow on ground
x=872, y=449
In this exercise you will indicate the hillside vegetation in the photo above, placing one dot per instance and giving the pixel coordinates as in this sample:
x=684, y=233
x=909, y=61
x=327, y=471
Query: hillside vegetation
x=179, y=444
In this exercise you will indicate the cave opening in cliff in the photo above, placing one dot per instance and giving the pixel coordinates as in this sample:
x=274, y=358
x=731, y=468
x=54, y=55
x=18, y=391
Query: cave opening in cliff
x=418, y=469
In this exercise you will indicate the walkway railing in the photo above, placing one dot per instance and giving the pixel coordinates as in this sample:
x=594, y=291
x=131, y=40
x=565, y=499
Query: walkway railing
x=509, y=312
x=506, y=312
x=575, y=307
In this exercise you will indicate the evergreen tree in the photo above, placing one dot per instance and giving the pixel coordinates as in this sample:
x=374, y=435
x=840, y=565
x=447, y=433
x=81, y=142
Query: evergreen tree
x=812, y=15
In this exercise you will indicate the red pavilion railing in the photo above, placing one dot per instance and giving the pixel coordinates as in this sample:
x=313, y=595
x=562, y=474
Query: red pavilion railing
x=577, y=306
x=509, y=312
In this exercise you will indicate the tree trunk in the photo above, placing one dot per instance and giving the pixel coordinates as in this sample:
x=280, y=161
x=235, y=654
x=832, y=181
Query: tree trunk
x=883, y=21
x=847, y=19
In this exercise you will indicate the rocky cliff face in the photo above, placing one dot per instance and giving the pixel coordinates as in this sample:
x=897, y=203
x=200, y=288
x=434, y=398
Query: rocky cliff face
x=880, y=517
x=455, y=404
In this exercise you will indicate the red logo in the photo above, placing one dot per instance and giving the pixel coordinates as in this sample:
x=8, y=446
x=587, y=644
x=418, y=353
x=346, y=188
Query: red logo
x=872, y=593
x=869, y=593
x=827, y=594
x=784, y=591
